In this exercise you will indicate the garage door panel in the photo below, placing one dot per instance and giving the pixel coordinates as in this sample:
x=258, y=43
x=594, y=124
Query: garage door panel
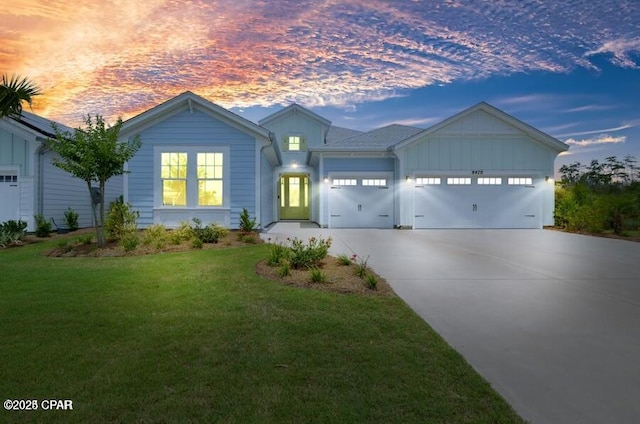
x=476, y=206
x=9, y=196
x=360, y=206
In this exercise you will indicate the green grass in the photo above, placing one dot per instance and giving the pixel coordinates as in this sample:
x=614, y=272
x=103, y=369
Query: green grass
x=199, y=337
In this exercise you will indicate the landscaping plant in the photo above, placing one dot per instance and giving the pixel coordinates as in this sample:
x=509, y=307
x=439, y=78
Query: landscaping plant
x=310, y=254
x=71, y=219
x=121, y=220
x=12, y=232
x=247, y=224
x=43, y=226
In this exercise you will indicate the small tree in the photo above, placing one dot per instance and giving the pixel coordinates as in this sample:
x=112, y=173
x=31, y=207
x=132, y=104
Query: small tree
x=94, y=155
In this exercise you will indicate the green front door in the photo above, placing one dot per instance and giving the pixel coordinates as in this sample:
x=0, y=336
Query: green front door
x=294, y=196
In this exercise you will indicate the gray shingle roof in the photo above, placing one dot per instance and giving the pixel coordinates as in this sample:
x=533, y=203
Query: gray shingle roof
x=376, y=140
x=340, y=133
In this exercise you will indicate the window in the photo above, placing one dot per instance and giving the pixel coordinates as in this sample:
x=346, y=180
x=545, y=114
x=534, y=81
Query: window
x=294, y=143
x=458, y=181
x=520, y=181
x=489, y=181
x=173, y=172
x=345, y=182
x=193, y=177
x=210, y=179
x=427, y=181
x=376, y=182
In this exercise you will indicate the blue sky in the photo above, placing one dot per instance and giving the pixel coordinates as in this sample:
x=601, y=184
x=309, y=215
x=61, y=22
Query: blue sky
x=569, y=68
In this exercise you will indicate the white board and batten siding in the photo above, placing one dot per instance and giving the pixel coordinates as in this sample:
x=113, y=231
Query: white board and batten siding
x=476, y=147
x=192, y=130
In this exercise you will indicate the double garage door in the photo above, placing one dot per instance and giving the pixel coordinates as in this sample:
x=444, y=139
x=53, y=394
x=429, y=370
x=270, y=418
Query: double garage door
x=477, y=202
x=361, y=202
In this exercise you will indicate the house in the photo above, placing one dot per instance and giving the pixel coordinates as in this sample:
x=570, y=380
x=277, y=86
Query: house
x=30, y=184
x=480, y=168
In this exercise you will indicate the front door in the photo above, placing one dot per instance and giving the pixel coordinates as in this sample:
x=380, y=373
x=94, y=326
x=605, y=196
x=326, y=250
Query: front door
x=294, y=196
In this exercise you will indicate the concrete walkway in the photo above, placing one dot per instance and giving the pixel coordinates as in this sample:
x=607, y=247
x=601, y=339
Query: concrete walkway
x=551, y=320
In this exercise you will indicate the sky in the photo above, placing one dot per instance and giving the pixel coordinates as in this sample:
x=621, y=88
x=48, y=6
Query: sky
x=570, y=68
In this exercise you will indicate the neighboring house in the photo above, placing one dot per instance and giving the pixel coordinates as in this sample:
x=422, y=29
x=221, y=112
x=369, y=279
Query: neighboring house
x=481, y=168
x=30, y=184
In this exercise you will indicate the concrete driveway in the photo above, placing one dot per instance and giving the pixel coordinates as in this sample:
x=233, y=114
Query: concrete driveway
x=551, y=320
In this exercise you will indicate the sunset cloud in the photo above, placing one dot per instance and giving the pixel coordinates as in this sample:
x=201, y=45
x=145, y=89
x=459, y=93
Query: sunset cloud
x=120, y=58
x=601, y=139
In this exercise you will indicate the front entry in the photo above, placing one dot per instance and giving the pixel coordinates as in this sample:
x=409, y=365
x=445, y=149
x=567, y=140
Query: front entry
x=294, y=196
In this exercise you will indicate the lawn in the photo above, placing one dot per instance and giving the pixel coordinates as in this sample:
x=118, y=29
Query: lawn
x=199, y=337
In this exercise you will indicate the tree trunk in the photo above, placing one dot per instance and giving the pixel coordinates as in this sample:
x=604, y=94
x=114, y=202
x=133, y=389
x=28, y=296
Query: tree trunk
x=99, y=241
x=101, y=223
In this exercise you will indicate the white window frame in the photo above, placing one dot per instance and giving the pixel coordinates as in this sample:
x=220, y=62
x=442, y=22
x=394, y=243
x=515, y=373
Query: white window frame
x=489, y=181
x=374, y=182
x=192, y=176
x=456, y=181
x=520, y=181
x=344, y=182
x=428, y=181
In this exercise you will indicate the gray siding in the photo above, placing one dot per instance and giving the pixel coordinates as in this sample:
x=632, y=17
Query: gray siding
x=61, y=190
x=194, y=129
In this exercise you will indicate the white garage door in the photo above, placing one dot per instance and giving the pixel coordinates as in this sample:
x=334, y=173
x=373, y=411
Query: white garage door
x=9, y=196
x=478, y=202
x=363, y=202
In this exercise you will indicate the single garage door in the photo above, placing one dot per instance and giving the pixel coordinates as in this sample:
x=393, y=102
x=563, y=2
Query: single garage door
x=9, y=196
x=363, y=202
x=478, y=202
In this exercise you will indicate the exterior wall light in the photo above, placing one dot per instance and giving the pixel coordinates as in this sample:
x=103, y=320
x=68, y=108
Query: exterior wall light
x=326, y=180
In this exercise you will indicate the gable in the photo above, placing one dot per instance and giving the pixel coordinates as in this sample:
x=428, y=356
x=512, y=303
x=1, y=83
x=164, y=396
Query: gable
x=478, y=122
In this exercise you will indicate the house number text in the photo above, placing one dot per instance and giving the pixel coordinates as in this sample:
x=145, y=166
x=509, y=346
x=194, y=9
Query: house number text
x=477, y=172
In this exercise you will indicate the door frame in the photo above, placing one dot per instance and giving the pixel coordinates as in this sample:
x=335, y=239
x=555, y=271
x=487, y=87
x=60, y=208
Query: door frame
x=306, y=210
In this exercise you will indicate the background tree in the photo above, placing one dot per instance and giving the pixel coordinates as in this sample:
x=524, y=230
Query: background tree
x=14, y=92
x=94, y=155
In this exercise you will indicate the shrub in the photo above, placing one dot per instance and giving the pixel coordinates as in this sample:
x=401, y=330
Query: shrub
x=317, y=276
x=246, y=223
x=209, y=234
x=183, y=233
x=277, y=253
x=71, y=219
x=43, y=226
x=129, y=241
x=86, y=239
x=344, y=260
x=308, y=255
x=371, y=282
x=285, y=269
x=64, y=245
x=121, y=220
x=362, y=267
x=249, y=239
x=196, y=243
x=11, y=232
x=155, y=235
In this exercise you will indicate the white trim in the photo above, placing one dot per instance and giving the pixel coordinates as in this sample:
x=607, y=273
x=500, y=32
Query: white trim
x=192, y=187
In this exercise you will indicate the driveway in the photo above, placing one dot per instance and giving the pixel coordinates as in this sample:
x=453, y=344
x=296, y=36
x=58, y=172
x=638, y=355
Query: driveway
x=551, y=320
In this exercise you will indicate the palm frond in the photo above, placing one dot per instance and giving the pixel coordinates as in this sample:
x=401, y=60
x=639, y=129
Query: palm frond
x=13, y=92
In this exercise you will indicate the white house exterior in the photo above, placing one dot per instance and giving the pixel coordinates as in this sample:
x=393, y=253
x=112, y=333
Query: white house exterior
x=480, y=168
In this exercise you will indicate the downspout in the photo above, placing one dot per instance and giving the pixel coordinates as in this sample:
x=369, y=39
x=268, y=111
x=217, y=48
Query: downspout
x=40, y=195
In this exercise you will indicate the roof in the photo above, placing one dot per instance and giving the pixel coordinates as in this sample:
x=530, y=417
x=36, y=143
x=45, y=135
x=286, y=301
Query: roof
x=186, y=101
x=41, y=126
x=381, y=139
x=497, y=113
x=340, y=133
x=294, y=108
